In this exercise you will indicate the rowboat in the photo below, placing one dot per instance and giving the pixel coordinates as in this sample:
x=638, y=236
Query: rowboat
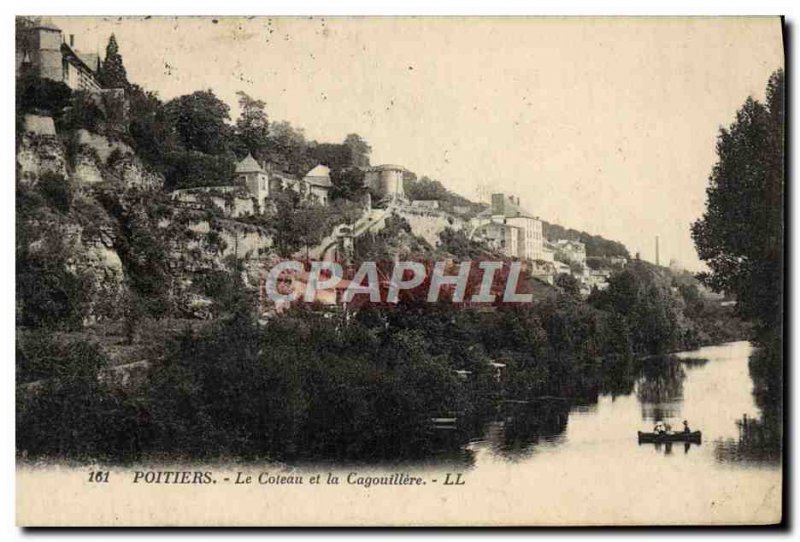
x=694, y=436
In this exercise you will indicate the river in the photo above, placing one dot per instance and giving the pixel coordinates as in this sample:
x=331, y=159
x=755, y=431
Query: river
x=545, y=462
x=582, y=464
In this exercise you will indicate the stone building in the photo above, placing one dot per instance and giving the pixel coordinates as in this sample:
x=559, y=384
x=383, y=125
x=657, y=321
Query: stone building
x=506, y=212
x=254, y=184
x=572, y=251
x=385, y=181
x=251, y=175
x=44, y=52
x=319, y=183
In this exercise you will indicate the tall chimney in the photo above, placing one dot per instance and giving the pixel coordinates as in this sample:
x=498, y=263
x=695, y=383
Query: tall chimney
x=657, y=262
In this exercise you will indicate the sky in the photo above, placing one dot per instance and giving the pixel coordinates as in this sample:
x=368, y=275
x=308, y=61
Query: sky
x=602, y=125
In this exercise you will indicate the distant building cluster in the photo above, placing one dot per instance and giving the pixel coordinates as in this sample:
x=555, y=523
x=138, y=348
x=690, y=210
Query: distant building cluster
x=516, y=233
x=512, y=230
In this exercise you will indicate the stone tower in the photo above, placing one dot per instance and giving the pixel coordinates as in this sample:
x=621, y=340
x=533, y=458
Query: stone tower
x=253, y=176
x=385, y=181
x=42, y=52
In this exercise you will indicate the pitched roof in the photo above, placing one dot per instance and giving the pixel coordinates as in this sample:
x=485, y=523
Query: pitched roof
x=46, y=23
x=248, y=165
x=319, y=176
x=74, y=58
x=92, y=60
x=319, y=170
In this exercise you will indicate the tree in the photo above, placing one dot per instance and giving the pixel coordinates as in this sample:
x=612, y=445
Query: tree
x=359, y=148
x=643, y=298
x=288, y=149
x=335, y=156
x=740, y=236
x=200, y=121
x=425, y=188
x=37, y=95
x=347, y=183
x=295, y=224
x=151, y=134
x=569, y=285
x=112, y=72
x=252, y=126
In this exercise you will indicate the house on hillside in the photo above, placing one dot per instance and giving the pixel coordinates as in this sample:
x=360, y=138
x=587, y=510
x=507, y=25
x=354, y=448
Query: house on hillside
x=598, y=278
x=573, y=251
x=319, y=183
x=253, y=188
x=509, y=228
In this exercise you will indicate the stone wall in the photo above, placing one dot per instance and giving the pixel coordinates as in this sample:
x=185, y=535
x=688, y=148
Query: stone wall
x=233, y=206
x=429, y=224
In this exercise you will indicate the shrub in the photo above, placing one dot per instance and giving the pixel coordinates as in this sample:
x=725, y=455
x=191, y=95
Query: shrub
x=72, y=414
x=85, y=111
x=57, y=191
x=42, y=96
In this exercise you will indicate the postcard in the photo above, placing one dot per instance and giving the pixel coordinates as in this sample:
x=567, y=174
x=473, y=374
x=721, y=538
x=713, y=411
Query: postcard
x=399, y=271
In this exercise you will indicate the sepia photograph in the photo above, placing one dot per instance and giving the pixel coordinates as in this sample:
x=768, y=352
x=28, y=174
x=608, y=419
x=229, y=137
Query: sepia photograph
x=399, y=271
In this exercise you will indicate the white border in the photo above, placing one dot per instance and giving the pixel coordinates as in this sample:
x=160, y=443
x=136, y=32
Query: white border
x=342, y=7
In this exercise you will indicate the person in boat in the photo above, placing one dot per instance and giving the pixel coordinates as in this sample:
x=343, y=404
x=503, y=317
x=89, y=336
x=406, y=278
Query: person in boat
x=667, y=428
x=659, y=428
x=686, y=429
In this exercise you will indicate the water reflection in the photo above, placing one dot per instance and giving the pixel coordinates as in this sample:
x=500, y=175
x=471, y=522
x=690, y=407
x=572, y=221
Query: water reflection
x=709, y=390
x=526, y=425
x=568, y=449
x=666, y=448
x=693, y=363
x=659, y=387
x=518, y=427
x=760, y=439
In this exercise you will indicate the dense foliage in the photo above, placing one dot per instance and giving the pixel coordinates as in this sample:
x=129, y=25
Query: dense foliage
x=596, y=245
x=740, y=236
x=306, y=385
x=425, y=188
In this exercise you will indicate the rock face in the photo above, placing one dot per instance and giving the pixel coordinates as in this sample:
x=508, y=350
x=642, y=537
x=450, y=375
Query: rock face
x=98, y=154
x=102, y=145
x=39, y=125
x=130, y=170
x=229, y=237
x=91, y=254
x=39, y=155
x=87, y=170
